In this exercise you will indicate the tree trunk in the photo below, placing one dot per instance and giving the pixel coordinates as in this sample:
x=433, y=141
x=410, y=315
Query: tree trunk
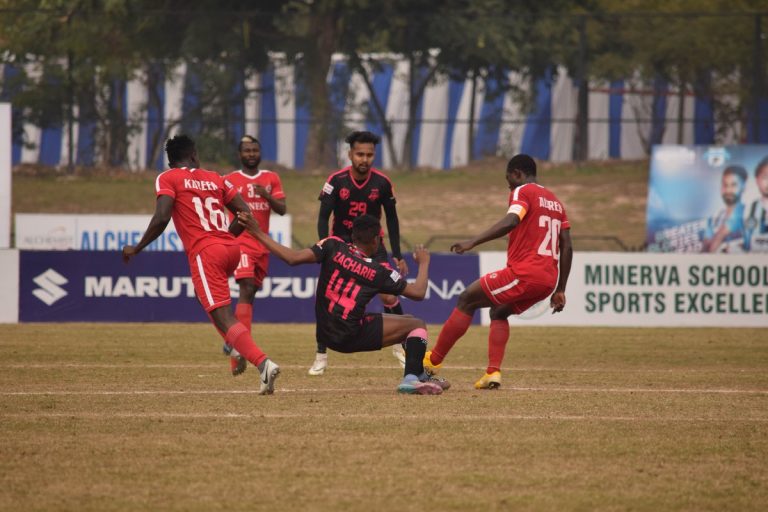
x=320, y=150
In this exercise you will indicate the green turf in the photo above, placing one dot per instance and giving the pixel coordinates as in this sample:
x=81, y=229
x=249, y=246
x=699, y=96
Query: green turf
x=145, y=417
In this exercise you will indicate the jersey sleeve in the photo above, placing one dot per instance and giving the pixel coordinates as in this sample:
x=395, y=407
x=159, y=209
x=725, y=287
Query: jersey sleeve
x=230, y=191
x=277, y=187
x=328, y=193
x=324, y=247
x=520, y=202
x=164, y=185
x=390, y=281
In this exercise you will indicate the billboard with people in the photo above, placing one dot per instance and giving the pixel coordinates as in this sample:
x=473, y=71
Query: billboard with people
x=708, y=199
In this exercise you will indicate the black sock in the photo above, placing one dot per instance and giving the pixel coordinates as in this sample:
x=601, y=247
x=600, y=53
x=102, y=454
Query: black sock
x=397, y=309
x=415, y=348
x=320, y=348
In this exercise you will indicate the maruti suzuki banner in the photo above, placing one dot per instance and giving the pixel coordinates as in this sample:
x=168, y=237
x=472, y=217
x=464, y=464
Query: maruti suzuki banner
x=708, y=199
x=87, y=286
x=97, y=232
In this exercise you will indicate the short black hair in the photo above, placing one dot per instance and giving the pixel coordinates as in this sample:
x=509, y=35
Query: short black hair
x=247, y=138
x=362, y=137
x=760, y=166
x=736, y=170
x=179, y=148
x=366, y=228
x=523, y=163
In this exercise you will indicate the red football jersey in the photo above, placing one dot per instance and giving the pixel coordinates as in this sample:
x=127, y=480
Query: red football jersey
x=259, y=206
x=533, y=252
x=199, y=207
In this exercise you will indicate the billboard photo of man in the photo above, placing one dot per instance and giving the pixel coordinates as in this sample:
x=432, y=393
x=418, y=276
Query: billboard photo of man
x=756, y=222
x=725, y=230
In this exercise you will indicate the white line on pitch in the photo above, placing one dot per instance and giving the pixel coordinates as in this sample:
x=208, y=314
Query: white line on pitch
x=59, y=366
x=369, y=390
x=369, y=416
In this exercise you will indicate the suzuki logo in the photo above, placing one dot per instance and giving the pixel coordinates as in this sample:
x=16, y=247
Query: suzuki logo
x=50, y=289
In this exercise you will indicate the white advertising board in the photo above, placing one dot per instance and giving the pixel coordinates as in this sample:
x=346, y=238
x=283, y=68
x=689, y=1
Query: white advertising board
x=655, y=290
x=5, y=175
x=56, y=232
x=9, y=291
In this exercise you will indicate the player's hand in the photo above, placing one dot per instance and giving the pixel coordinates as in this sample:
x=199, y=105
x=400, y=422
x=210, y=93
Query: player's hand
x=250, y=224
x=461, y=247
x=420, y=255
x=557, y=302
x=402, y=266
x=260, y=190
x=129, y=251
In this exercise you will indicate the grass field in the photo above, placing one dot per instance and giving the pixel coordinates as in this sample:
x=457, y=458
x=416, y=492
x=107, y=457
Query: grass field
x=146, y=417
x=602, y=200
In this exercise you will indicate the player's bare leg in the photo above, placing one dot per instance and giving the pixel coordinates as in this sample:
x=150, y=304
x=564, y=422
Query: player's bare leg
x=392, y=306
x=240, y=339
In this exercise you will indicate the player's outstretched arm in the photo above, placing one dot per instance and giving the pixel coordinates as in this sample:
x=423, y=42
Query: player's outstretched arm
x=501, y=228
x=418, y=289
x=157, y=224
x=557, y=302
x=288, y=255
x=393, y=231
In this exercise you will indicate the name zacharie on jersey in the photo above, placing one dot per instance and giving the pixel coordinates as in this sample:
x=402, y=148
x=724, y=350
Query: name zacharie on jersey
x=354, y=266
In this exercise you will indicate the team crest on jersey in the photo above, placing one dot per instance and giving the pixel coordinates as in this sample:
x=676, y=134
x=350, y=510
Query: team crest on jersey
x=374, y=195
x=344, y=194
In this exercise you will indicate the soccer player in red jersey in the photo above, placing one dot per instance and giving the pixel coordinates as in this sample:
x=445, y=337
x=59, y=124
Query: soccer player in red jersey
x=195, y=199
x=539, y=255
x=262, y=190
x=349, y=279
x=356, y=190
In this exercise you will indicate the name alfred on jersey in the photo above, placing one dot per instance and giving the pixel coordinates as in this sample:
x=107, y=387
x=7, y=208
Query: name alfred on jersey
x=550, y=205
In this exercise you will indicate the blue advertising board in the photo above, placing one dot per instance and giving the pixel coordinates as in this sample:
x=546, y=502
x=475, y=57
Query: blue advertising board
x=96, y=286
x=708, y=199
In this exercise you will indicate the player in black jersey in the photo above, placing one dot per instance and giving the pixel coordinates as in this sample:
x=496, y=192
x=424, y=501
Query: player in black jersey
x=349, y=279
x=356, y=190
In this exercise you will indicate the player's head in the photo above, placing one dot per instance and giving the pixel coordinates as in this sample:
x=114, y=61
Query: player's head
x=249, y=149
x=181, y=151
x=761, y=177
x=520, y=169
x=366, y=233
x=732, y=184
x=362, y=150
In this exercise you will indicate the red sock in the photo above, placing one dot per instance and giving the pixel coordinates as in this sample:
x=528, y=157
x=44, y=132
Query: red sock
x=239, y=337
x=497, y=342
x=453, y=329
x=244, y=314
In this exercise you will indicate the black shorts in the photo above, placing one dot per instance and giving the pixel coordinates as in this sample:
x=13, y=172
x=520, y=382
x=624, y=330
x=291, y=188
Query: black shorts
x=367, y=338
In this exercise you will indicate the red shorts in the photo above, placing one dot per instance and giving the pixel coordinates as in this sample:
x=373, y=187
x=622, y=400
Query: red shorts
x=210, y=270
x=253, y=265
x=502, y=287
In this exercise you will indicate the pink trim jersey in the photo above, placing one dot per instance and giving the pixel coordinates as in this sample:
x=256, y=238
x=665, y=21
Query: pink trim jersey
x=259, y=206
x=199, y=214
x=533, y=251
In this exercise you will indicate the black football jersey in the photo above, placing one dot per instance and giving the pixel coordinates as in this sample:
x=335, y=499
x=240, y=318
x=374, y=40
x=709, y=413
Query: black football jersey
x=350, y=199
x=348, y=281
